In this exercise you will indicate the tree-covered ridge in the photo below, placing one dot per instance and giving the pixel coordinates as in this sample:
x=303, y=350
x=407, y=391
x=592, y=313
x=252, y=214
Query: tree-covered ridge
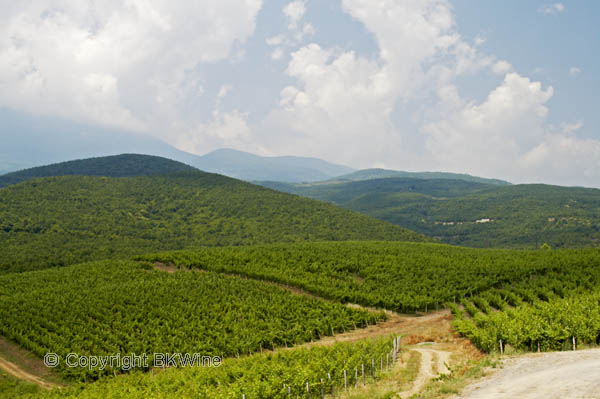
x=472, y=214
x=124, y=165
x=58, y=221
x=377, y=173
x=110, y=307
x=374, y=189
x=405, y=277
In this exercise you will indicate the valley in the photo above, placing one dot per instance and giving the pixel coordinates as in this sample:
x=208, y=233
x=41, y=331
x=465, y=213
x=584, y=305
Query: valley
x=136, y=255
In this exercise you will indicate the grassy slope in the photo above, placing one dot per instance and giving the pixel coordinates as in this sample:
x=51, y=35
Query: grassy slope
x=65, y=220
x=522, y=214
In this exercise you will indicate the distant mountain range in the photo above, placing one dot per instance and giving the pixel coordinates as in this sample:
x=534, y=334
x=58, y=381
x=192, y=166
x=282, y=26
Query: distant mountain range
x=31, y=140
x=250, y=167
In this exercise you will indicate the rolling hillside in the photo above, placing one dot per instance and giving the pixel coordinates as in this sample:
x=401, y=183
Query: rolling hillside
x=57, y=221
x=375, y=173
x=470, y=213
x=124, y=165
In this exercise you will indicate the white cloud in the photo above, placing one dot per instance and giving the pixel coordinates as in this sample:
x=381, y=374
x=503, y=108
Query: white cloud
x=344, y=100
x=275, y=40
x=277, y=54
x=479, y=40
x=487, y=138
x=307, y=30
x=294, y=11
x=564, y=158
x=501, y=67
x=551, y=8
x=574, y=71
x=115, y=62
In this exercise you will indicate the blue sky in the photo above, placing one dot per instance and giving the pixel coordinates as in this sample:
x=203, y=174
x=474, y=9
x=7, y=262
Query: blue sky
x=499, y=89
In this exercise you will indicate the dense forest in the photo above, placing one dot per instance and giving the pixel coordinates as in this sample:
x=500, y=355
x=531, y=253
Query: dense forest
x=377, y=173
x=57, y=221
x=124, y=165
x=469, y=213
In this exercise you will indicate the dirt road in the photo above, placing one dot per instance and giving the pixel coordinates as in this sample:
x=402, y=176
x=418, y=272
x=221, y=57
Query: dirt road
x=16, y=371
x=433, y=363
x=558, y=375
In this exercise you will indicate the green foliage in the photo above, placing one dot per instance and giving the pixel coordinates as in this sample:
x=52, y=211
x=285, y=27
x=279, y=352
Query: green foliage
x=111, y=307
x=265, y=376
x=551, y=324
x=520, y=216
x=406, y=277
x=13, y=388
x=58, y=221
x=124, y=165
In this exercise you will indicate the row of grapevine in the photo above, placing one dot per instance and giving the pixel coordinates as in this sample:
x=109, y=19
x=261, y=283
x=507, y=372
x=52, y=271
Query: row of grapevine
x=543, y=325
x=277, y=375
x=105, y=308
x=405, y=277
x=499, y=290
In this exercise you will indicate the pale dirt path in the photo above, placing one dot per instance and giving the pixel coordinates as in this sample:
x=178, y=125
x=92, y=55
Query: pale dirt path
x=558, y=375
x=17, y=372
x=433, y=363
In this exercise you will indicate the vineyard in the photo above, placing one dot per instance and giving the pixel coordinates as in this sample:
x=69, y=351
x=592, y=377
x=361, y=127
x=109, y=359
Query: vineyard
x=542, y=320
x=405, y=277
x=104, y=308
x=524, y=298
x=278, y=375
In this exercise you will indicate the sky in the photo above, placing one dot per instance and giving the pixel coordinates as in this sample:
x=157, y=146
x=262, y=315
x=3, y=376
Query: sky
x=497, y=89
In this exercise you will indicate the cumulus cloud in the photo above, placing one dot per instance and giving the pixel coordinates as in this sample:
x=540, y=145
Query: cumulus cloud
x=294, y=11
x=115, y=62
x=344, y=98
x=574, y=71
x=487, y=138
x=549, y=9
x=501, y=67
x=341, y=105
x=564, y=158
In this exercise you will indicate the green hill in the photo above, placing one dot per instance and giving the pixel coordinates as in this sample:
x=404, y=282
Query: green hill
x=124, y=165
x=470, y=213
x=375, y=173
x=64, y=220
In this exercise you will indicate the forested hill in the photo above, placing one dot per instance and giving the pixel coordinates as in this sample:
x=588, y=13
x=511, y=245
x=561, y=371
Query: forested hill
x=55, y=221
x=376, y=173
x=124, y=165
x=469, y=213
